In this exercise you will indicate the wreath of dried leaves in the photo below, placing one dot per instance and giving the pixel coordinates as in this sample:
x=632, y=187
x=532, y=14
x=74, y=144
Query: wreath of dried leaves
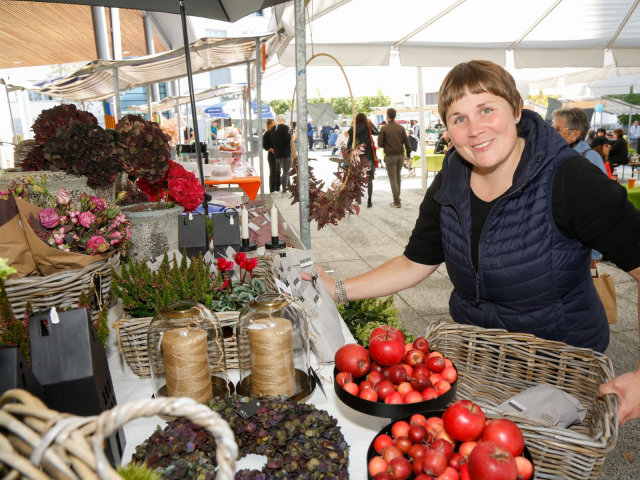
x=345, y=192
x=299, y=441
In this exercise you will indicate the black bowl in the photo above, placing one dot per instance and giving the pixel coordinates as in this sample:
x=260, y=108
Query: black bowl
x=385, y=410
x=387, y=431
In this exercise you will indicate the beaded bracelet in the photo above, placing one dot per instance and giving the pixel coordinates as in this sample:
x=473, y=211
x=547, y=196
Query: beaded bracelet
x=341, y=292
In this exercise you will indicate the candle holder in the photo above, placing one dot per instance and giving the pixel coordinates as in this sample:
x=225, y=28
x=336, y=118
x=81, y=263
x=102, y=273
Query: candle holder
x=248, y=246
x=275, y=244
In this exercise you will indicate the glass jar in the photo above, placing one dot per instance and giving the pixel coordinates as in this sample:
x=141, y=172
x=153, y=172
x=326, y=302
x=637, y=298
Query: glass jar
x=273, y=349
x=186, y=353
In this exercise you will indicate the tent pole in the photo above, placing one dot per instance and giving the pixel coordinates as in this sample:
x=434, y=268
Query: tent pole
x=187, y=56
x=245, y=134
x=422, y=140
x=116, y=95
x=149, y=103
x=179, y=115
x=249, y=108
x=259, y=102
x=301, y=109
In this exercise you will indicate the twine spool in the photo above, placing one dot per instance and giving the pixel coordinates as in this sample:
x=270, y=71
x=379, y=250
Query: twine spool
x=186, y=364
x=272, y=370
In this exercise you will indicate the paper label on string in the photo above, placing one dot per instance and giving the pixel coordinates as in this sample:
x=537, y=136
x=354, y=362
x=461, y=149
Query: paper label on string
x=282, y=288
x=251, y=208
x=230, y=253
x=208, y=257
x=306, y=262
x=295, y=281
x=253, y=214
x=190, y=216
x=231, y=222
x=247, y=410
x=267, y=216
x=54, y=315
x=257, y=326
x=254, y=227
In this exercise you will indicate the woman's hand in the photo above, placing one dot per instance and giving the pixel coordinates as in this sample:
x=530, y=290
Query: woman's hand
x=627, y=388
x=328, y=282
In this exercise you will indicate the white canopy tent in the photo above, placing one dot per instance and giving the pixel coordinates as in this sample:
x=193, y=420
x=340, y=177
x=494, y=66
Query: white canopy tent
x=171, y=102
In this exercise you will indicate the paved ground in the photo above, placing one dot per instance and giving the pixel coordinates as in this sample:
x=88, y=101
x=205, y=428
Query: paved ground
x=380, y=233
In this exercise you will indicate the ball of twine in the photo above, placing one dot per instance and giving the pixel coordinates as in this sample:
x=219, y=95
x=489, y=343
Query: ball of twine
x=272, y=369
x=187, y=364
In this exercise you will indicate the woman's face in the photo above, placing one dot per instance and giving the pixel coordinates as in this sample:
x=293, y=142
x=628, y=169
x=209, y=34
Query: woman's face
x=483, y=130
x=606, y=148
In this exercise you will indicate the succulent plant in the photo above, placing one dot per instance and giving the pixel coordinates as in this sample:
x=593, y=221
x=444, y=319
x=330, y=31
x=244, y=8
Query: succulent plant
x=143, y=148
x=84, y=148
x=241, y=296
x=50, y=120
x=298, y=440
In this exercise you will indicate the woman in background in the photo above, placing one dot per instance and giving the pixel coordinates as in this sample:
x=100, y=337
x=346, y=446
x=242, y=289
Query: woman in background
x=619, y=154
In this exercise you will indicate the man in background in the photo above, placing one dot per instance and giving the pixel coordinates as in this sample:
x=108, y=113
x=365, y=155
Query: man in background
x=326, y=133
x=634, y=135
x=393, y=139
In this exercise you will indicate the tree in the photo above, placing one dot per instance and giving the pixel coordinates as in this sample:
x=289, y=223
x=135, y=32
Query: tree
x=280, y=106
x=541, y=99
x=632, y=98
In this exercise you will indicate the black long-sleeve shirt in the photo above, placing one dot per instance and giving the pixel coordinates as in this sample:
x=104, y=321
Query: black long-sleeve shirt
x=619, y=152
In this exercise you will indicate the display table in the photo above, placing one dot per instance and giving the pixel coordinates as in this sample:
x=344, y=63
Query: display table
x=633, y=194
x=434, y=162
x=358, y=429
x=249, y=185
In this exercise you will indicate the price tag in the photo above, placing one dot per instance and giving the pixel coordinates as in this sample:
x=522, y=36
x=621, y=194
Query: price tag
x=282, y=288
x=267, y=216
x=254, y=227
x=257, y=326
x=231, y=222
x=253, y=214
x=190, y=216
x=306, y=262
x=54, y=316
x=262, y=222
x=249, y=409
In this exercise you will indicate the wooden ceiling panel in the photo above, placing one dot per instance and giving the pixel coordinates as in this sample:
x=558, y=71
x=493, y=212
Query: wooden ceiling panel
x=36, y=33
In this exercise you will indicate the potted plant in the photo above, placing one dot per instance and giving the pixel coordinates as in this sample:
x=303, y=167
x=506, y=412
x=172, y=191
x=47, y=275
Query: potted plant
x=71, y=151
x=145, y=155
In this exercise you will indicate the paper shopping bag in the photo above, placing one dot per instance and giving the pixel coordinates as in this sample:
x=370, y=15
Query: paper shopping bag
x=13, y=241
x=606, y=289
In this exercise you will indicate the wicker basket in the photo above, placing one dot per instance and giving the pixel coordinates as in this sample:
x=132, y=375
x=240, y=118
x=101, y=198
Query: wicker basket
x=494, y=365
x=41, y=444
x=61, y=289
x=21, y=150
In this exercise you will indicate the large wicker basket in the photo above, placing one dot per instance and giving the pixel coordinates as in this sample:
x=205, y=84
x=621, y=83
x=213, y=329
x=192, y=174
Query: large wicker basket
x=41, y=444
x=62, y=289
x=494, y=365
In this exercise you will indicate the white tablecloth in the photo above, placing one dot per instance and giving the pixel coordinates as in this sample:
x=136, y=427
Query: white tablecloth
x=358, y=429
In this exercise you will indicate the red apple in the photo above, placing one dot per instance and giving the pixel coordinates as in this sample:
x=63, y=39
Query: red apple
x=417, y=433
x=443, y=435
x=449, y=374
x=404, y=388
x=400, y=468
x=377, y=465
x=417, y=419
x=352, y=388
x=434, y=354
x=369, y=394
x=384, y=389
x=422, y=370
x=448, y=362
x=365, y=384
x=414, y=357
x=419, y=382
x=381, y=442
x=457, y=461
x=443, y=446
x=436, y=423
x=413, y=397
x=466, y=448
x=434, y=463
x=490, y=461
x=429, y=394
x=449, y=474
x=506, y=433
x=386, y=350
x=464, y=421
x=436, y=364
x=421, y=344
x=400, y=429
x=442, y=387
x=524, y=467
x=404, y=444
x=464, y=472
x=344, y=377
x=407, y=347
x=408, y=369
x=417, y=451
x=397, y=374
x=387, y=330
x=375, y=378
x=353, y=358
x=424, y=476
x=394, y=399
x=435, y=378
x=376, y=368
x=383, y=476
x=391, y=452
x=417, y=463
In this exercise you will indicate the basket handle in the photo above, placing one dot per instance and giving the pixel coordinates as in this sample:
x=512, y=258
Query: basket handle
x=109, y=421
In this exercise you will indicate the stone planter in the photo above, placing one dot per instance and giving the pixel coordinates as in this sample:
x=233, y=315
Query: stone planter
x=154, y=231
x=76, y=185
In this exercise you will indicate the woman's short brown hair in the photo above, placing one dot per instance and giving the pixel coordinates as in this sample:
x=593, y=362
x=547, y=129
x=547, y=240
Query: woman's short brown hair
x=618, y=132
x=478, y=76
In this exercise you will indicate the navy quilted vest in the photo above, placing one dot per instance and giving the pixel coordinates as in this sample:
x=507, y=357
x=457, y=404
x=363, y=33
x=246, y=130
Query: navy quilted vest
x=531, y=278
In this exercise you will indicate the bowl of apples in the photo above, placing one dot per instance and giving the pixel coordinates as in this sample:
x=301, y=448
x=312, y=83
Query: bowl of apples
x=458, y=444
x=393, y=378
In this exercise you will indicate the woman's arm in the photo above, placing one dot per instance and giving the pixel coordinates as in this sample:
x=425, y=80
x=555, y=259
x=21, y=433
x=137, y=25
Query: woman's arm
x=626, y=386
x=390, y=277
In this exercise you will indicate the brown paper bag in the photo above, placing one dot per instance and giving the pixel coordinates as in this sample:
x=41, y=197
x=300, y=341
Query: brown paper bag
x=13, y=242
x=51, y=260
x=606, y=288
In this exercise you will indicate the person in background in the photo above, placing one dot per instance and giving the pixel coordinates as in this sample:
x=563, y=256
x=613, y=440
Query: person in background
x=188, y=135
x=591, y=134
x=442, y=146
x=414, y=142
x=601, y=132
x=310, y=134
x=416, y=129
x=619, y=154
x=333, y=138
x=393, y=139
x=363, y=133
x=343, y=140
x=274, y=167
x=634, y=135
x=336, y=124
x=214, y=130
x=438, y=125
x=602, y=147
x=326, y=133
x=282, y=149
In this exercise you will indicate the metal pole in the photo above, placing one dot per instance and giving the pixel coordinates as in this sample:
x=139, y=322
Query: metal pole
x=244, y=121
x=116, y=41
x=301, y=109
x=192, y=97
x=116, y=95
x=148, y=38
x=421, y=140
x=149, y=103
x=179, y=116
x=250, y=111
x=100, y=32
x=259, y=102
x=13, y=127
